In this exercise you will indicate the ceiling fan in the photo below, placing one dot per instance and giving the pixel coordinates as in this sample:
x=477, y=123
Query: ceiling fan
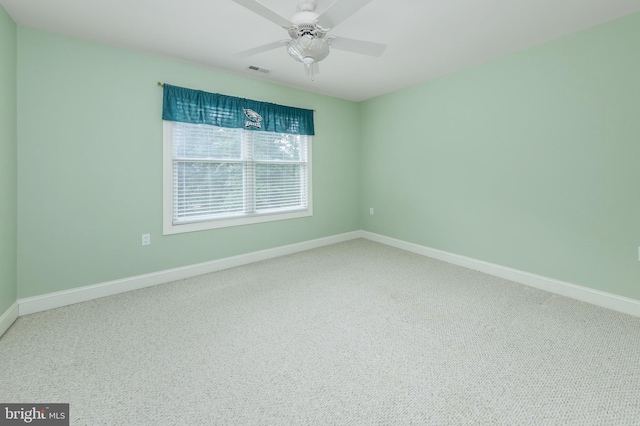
x=308, y=31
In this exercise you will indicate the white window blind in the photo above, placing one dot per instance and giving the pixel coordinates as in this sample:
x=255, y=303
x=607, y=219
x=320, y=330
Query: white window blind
x=224, y=174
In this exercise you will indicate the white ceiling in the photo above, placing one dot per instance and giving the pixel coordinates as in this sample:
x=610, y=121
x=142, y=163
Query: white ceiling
x=425, y=38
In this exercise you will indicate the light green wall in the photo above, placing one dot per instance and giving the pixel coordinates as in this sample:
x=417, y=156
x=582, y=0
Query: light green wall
x=530, y=161
x=8, y=162
x=90, y=171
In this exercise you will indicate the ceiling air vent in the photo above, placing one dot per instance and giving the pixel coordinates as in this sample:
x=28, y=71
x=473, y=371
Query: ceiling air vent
x=254, y=68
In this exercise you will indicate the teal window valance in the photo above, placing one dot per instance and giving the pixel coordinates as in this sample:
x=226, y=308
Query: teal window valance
x=198, y=107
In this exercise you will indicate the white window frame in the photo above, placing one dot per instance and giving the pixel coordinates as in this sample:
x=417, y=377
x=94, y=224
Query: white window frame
x=167, y=196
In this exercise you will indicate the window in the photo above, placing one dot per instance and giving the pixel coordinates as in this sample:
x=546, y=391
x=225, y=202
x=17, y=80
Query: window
x=231, y=161
x=218, y=176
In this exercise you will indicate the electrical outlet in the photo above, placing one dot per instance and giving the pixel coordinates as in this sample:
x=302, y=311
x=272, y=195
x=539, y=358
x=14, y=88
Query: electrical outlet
x=371, y=211
x=146, y=239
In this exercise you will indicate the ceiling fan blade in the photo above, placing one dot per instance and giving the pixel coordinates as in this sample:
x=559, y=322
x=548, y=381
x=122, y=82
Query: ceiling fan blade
x=339, y=11
x=357, y=46
x=265, y=12
x=260, y=49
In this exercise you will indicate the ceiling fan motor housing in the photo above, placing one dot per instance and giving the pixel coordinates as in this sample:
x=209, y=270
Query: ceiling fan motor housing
x=305, y=28
x=307, y=5
x=305, y=21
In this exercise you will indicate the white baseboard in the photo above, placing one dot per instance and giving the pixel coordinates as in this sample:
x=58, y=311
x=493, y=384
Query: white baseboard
x=9, y=316
x=58, y=299
x=573, y=291
x=68, y=297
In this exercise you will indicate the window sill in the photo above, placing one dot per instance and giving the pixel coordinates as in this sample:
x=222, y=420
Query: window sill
x=169, y=228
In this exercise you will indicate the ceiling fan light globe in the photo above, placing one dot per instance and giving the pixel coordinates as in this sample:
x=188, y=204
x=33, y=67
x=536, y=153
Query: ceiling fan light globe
x=305, y=47
x=294, y=51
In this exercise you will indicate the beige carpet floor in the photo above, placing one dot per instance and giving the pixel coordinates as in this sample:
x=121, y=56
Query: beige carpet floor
x=356, y=333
